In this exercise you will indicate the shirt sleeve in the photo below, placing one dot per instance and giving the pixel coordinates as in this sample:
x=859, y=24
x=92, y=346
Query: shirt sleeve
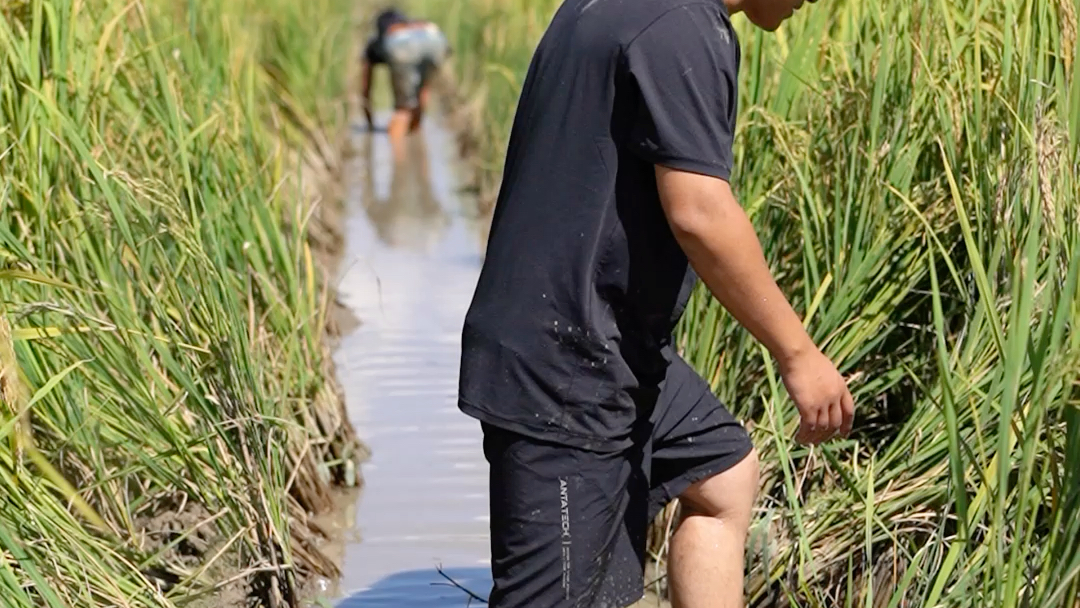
x=373, y=52
x=685, y=65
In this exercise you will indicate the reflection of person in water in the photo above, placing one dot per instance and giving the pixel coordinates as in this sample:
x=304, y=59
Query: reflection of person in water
x=410, y=217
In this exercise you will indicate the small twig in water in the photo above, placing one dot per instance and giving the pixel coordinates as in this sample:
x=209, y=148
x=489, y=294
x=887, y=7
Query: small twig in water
x=472, y=595
x=656, y=580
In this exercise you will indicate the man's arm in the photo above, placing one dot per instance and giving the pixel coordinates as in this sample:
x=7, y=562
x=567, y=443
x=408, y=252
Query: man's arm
x=724, y=250
x=365, y=90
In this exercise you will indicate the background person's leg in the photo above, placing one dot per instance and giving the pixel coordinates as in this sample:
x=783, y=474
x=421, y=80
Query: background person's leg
x=398, y=129
x=426, y=71
x=405, y=78
x=417, y=115
x=704, y=457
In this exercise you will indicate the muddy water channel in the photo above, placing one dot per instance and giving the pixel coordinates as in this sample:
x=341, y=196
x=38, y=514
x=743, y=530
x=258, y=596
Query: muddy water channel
x=412, y=258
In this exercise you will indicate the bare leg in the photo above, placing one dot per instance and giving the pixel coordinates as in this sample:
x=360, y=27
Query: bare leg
x=707, y=550
x=397, y=130
x=418, y=112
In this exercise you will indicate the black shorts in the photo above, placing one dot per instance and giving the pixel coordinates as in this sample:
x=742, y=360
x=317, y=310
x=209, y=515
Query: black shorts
x=568, y=526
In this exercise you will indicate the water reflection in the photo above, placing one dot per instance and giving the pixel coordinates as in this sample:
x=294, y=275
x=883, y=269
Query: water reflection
x=425, y=589
x=409, y=217
x=410, y=265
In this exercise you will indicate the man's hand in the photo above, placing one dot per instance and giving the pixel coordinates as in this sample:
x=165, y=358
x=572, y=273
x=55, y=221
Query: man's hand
x=720, y=243
x=821, y=394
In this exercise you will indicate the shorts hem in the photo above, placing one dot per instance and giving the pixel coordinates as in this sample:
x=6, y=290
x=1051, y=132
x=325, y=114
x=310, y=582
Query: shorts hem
x=627, y=602
x=674, y=488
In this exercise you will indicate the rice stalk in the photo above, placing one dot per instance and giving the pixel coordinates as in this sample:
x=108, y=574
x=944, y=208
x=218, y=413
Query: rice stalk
x=163, y=321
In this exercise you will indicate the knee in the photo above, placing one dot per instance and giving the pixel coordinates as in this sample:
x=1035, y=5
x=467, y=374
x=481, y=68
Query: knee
x=728, y=496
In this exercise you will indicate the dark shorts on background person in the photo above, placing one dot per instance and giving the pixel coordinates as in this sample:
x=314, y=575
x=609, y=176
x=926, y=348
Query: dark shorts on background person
x=568, y=526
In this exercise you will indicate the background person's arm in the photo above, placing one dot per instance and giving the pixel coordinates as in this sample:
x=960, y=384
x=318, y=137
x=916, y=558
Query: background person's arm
x=365, y=91
x=724, y=250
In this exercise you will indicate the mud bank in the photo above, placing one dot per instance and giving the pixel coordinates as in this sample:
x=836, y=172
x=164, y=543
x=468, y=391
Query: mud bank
x=326, y=476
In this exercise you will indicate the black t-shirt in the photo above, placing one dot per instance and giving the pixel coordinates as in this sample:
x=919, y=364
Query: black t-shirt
x=583, y=281
x=375, y=51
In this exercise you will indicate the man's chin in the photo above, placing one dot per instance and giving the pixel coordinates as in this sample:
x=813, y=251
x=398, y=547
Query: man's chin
x=769, y=26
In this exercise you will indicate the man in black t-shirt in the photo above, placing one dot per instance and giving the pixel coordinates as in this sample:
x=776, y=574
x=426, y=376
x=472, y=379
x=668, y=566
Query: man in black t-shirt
x=615, y=192
x=413, y=50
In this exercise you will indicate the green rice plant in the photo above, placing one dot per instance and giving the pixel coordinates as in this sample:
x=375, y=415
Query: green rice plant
x=167, y=420
x=911, y=171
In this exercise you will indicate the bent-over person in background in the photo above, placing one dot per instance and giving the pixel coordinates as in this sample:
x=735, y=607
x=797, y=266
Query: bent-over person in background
x=413, y=50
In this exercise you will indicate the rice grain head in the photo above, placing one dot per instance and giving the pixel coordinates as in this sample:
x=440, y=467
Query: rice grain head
x=1049, y=143
x=11, y=393
x=1068, y=31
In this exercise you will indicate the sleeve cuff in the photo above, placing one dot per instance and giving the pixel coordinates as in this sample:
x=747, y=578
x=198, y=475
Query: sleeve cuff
x=688, y=164
x=691, y=165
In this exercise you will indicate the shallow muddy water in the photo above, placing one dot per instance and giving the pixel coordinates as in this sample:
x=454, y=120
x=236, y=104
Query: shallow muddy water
x=411, y=262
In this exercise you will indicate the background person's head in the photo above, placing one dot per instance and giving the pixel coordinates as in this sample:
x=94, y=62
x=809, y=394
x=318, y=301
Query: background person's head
x=766, y=14
x=387, y=19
